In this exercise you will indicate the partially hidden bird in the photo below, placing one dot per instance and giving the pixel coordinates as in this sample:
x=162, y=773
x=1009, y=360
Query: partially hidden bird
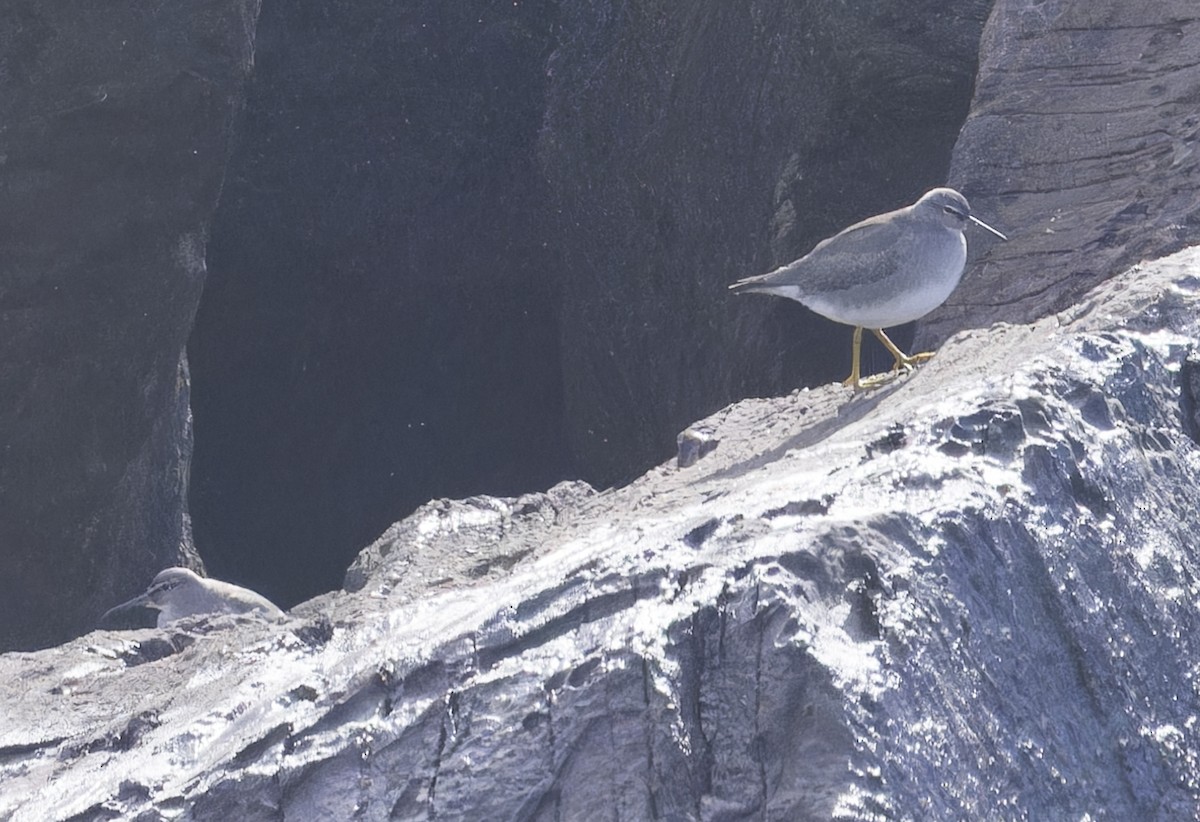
x=178, y=592
x=882, y=272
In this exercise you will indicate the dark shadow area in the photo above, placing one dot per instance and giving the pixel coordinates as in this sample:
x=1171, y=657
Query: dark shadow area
x=379, y=323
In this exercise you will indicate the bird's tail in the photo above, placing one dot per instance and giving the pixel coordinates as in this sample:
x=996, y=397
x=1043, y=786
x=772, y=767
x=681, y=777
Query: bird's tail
x=762, y=284
x=749, y=285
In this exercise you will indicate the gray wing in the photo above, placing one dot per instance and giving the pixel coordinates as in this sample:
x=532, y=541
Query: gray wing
x=240, y=600
x=866, y=249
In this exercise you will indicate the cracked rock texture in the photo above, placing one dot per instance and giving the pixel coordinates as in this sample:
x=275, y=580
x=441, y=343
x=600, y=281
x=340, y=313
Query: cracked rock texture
x=970, y=594
x=114, y=127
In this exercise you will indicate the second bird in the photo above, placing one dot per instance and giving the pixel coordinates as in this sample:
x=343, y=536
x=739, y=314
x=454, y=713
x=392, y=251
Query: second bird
x=885, y=271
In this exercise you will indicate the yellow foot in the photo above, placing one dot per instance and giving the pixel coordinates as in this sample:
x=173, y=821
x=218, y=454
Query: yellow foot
x=905, y=366
x=903, y=362
x=873, y=381
x=908, y=363
x=876, y=380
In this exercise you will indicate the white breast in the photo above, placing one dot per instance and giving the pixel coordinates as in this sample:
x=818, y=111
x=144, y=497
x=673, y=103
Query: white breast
x=920, y=286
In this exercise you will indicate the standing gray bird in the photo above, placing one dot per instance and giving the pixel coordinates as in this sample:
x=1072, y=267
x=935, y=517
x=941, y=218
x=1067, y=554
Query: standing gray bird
x=885, y=271
x=177, y=592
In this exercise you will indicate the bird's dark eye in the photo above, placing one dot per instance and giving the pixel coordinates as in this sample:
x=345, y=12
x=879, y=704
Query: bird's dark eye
x=950, y=210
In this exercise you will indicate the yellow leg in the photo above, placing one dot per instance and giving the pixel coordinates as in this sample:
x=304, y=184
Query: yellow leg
x=855, y=348
x=903, y=361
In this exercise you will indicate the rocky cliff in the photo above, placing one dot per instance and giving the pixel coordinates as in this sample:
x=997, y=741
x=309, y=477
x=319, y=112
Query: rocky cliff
x=115, y=124
x=485, y=248
x=971, y=594
x=968, y=594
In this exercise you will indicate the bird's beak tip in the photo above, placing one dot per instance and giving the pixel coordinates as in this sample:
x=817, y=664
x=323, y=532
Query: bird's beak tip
x=981, y=223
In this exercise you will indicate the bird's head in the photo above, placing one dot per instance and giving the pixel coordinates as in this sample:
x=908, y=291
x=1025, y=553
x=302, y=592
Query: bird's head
x=168, y=581
x=945, y=206
x=158, y=603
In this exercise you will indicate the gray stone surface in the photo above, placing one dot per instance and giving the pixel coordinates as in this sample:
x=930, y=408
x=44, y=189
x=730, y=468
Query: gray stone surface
x=970, y=594
x=114, y=125
x=1083, y=143
x=461, y=538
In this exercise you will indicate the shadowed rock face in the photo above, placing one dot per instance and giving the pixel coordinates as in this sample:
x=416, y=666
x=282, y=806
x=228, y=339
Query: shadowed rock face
x=967, y=595
x=380, y=321
x=114, y=126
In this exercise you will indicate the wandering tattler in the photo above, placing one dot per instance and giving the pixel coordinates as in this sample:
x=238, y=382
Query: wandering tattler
x=177, y=593
x=885, y=271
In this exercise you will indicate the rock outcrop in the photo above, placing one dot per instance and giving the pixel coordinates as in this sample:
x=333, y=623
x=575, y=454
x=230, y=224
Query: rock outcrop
x=1083, y=142
x=114, y=126
x=485, y=247
x=970, y=594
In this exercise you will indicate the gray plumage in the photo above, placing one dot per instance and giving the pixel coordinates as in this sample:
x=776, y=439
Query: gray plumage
x=884, y=271
x=177, y=593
